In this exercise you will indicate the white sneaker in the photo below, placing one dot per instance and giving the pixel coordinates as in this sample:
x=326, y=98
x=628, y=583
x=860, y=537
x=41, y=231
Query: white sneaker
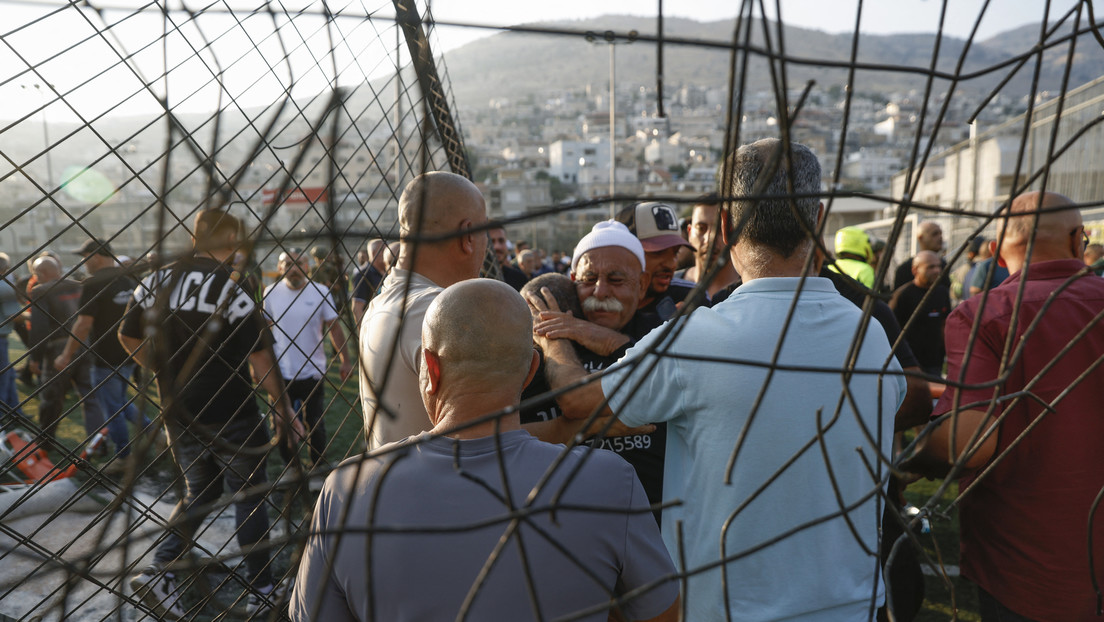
x=260, y=605
x=159, y=592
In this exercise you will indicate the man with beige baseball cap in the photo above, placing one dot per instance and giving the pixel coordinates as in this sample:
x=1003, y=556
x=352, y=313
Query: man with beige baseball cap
x=656, y=226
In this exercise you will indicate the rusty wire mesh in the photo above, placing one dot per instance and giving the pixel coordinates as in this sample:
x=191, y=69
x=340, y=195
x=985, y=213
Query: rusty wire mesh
x=306, y=125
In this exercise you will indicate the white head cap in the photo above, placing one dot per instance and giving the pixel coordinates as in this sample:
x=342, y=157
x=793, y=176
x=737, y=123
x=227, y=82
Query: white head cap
x=608, y=233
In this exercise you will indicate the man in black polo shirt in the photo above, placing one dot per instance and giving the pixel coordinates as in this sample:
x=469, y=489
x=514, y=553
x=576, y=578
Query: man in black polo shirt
x=368, y=277
x=608, y=271
x=514, y=278
x=207, y=332
x=103, y=301
x=925, y=334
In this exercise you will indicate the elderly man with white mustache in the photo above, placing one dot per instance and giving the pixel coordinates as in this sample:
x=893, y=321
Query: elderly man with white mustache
x=608, y=268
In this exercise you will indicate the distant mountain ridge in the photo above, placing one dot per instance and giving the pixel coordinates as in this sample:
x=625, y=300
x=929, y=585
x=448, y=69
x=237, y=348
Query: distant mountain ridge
x=513, y=64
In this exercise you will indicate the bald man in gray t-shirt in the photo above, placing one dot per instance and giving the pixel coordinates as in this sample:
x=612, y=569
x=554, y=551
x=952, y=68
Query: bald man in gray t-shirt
x=421, y=528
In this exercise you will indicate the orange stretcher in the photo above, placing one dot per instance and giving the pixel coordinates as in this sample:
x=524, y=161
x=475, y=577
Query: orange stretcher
x=19, y=448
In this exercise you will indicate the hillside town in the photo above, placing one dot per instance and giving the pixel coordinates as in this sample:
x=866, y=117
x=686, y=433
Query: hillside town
x=554, y=148
x=528, y=154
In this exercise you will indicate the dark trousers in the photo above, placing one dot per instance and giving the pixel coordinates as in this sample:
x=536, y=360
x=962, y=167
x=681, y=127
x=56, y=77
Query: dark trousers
x=207, y=466
x=55, y=385
x=905, y=576
x=307, y=398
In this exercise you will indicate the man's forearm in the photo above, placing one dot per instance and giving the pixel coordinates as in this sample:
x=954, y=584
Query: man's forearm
x=935, y=454
x=78, y=336
x=599, y=339
x=340, y=343
x=359, y=307
x=916, y=408
x=267, y=376
x=562, y=368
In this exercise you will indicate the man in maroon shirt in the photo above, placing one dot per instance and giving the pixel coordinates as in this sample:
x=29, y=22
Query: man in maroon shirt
x=1030, y=476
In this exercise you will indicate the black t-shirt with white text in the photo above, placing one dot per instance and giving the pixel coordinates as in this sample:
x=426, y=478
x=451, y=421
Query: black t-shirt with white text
x=104, y=297
x=644, y=452
x=217, y=390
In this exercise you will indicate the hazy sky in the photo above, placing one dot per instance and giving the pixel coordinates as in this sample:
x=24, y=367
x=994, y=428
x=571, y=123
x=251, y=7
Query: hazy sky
x=879, y=16
x=66, y=49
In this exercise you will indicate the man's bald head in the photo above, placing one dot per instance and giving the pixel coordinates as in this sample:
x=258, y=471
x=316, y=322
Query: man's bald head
x=450, y=211
x=46, y=269
x=482, y=332
x=435, y=203
x=379, y=255
x=1058, y=230
x=929, y=236
x=374, y=247
x=1058, y=215
x=926, y=268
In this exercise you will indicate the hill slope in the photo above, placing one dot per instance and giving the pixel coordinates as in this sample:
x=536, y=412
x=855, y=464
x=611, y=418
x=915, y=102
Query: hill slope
x=514, y=64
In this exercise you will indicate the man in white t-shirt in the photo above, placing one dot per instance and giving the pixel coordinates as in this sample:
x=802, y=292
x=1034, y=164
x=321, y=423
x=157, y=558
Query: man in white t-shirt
x=302, y=313
x=438, y=247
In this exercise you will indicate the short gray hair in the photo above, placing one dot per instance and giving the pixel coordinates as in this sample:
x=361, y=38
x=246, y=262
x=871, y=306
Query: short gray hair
x=562, y=288
x=770, y=221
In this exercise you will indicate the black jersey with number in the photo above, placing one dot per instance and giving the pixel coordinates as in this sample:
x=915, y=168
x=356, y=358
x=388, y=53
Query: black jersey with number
x=104, y=297
x=208, y=325
x=644, y=452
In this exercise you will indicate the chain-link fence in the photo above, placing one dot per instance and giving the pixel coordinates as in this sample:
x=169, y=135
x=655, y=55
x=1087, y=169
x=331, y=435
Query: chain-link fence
x=125, y=127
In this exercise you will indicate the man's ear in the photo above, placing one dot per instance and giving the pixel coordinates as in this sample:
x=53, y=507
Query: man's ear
x=534, y=365
x=645, y=281
x=1075, y=246
x=433, y=371
x=467, y=240
x=994, y=251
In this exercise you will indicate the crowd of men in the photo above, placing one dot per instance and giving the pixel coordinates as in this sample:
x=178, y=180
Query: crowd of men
x=672, y=422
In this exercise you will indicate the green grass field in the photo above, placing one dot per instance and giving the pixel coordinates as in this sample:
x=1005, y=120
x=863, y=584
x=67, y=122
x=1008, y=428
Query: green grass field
x=942, y=601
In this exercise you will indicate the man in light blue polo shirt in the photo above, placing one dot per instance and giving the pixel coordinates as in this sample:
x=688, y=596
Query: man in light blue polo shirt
x=777, y=471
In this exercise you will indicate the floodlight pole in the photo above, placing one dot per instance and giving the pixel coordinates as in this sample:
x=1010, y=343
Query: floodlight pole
x=612, y=113
x=41, y=90
x=611, y=39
